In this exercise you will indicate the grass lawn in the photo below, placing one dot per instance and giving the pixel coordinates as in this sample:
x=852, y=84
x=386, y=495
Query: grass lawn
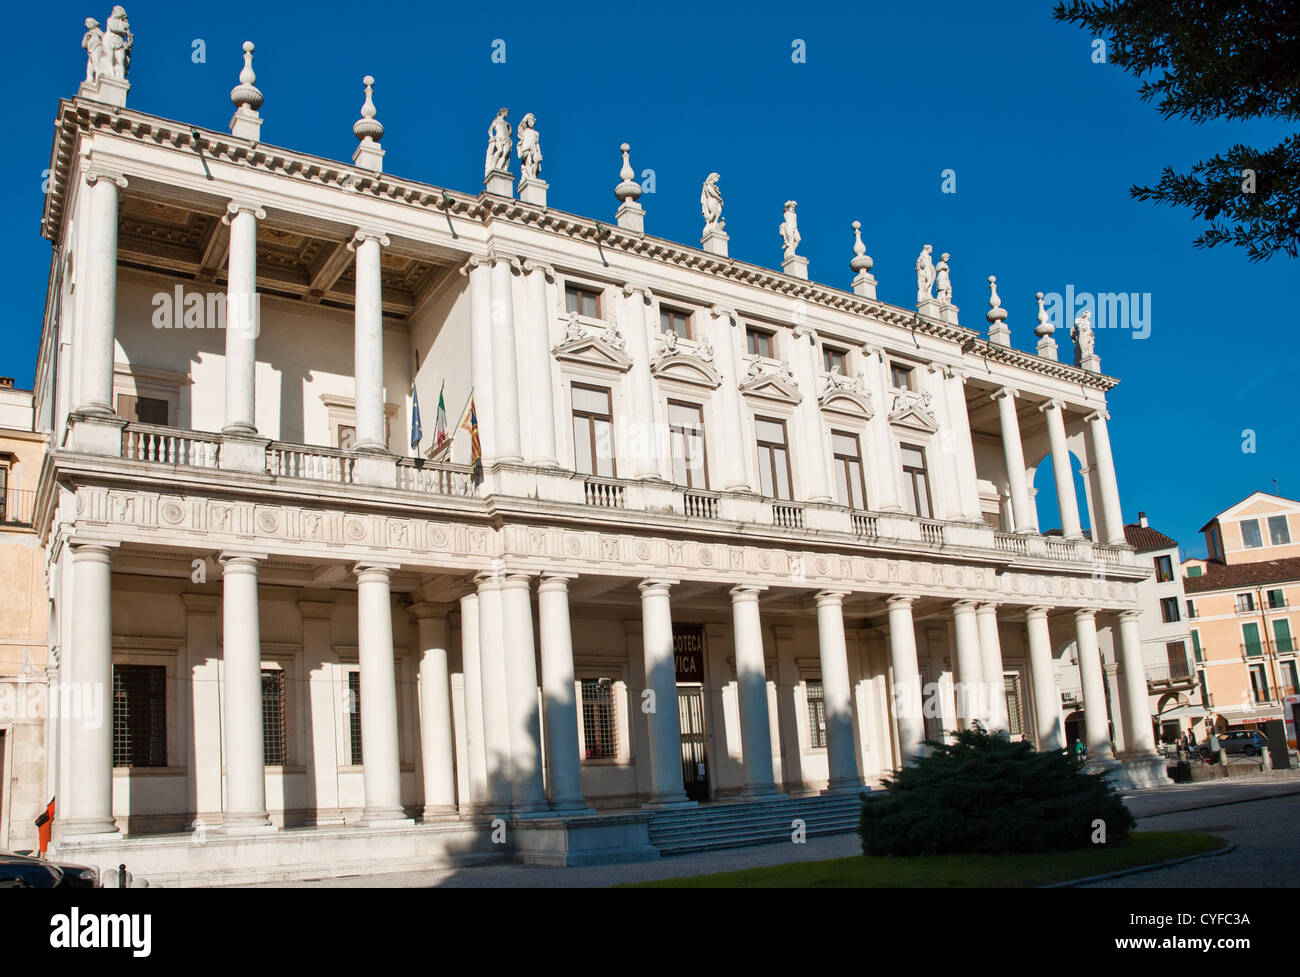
x=957, y=871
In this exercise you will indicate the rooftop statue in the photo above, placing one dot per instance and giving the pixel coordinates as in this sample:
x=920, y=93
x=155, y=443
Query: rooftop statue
x=93, y=44
x=711, y=204
x=529, y=148
x=108, y=54
x=790, y=229
x=942, y=283
x=1082, y=334
x=498, y=150
x=924, y=276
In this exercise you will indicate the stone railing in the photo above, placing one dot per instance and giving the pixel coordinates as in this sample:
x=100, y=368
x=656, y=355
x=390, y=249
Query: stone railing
x=435, y=478
x=170, y=446
x=787, y=516
x=931, y=531
x=1109, y=555
x=699, y=504
x=1010, y=543
x=864, y=525
x=300, y=461
x=1060, y=549
x=604, y=493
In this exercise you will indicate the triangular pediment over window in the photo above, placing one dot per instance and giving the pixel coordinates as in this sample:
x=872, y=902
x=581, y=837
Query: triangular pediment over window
x=771, y=385
x=913, y=410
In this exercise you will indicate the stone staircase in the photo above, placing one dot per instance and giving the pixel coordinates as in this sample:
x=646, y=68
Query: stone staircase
x=712, y=827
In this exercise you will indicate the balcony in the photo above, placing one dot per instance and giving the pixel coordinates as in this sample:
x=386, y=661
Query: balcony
x=1170, y=674
x=16, y=507
x=623, y=499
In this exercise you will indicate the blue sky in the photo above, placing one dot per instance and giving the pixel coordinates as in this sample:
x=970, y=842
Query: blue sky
x=1044, y=144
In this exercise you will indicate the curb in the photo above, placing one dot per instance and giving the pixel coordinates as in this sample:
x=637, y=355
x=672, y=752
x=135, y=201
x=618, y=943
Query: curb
x=1138, y=869
x=1206, y=807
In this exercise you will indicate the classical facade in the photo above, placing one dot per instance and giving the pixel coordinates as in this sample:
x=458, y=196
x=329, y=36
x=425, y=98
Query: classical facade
x=711, y=531
x=1241, y=607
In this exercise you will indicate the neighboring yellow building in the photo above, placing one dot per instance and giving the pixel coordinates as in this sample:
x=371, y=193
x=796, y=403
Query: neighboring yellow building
x=1241, y=603
x=23, y=682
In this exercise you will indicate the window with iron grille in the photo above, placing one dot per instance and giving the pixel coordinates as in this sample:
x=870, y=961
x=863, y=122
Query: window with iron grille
x=273, y=717
x=354, y=716
x=816, y=714
x=139, y=716
x=1015, y=704
x=599, y=728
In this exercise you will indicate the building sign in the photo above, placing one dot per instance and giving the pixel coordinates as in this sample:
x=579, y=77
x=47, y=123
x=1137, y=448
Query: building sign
x=688, y=652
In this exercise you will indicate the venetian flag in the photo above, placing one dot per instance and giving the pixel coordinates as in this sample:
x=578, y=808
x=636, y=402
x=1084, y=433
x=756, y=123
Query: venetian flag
x=470, y=424
x=440, y=427
x=417, y=431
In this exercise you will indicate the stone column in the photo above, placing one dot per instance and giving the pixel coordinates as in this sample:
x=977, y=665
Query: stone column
x=661, y=681
x=472, y=669
x=1139, y=734
x=381, y=765
x=815, y=454
x=883, y=468
x=563, y=763
x=496, y=717
x=963, y=446
x=733, y=445
x=521, y=694
x=437, y=749
x=1095, y=718
x=1062, y=470
x=479, y=272
x=907, y=680
x=1022, y=507
x=644, y=463
x=241, y=700
x=99, y=280
x=972, y=692
x=751, y=681
x=505, y=376
x=242, y=318
x=536, y=375
x=1042, y=672
x=837, y=695
x=991, y=665
x=946, y=502
x=369, y=342
x=1112, y=514
x=87, y=807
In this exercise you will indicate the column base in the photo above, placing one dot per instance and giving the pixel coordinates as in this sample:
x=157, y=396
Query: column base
x=571, y=809
x=88, y=829
x=670, y=803
x=248, y=827
x=846, y=786
x=763, y=792
x=386, y=817
x=439, y=812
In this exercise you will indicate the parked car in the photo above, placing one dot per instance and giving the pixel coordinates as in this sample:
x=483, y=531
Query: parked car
x=1235, y=741
x=28, y=872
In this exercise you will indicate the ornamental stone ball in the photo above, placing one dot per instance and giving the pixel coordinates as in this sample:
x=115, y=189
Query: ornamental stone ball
x=628, y=189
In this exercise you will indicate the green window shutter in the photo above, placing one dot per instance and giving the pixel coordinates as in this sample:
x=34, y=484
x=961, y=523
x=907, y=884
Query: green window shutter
x=1282, y=632
x=1196, y=645
x=1193, y=571
x=1276, y=598
x=1250, y=638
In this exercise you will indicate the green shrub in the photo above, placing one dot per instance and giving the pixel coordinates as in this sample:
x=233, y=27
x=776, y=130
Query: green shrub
x=986, y=794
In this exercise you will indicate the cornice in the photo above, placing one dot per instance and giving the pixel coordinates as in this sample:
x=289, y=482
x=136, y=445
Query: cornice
x=79, y=115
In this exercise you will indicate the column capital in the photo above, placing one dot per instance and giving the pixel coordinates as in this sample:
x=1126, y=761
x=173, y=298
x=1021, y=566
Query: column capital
x=315, y=610
x=655, y=585
x=1004, y=392
x=241, y=560
x=899, y=602
x=1034, y=613
x=1052, y=403
x=873, y=349
x=474, y=261
x=201, y=603
x=835, y=597
x=90, y=547
x=1085, y=614
x=94, y=174
x=425, y=609
x=745, y=591
x=516, y=579
x=988, y=607
x=489, y=579
x=631, y=288
x=1130, y=616
x=236, y=207
x=374, y=568
x=531, y=265
x=965, y=605
x=723, y=312
x=1100, y=414
x=555, y=581
x=362, y=234
x=495, y=257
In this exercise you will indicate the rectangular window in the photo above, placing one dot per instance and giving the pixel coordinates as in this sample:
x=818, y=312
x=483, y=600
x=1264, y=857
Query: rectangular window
x=1205, y=690
x=1259, y=683
x=599, y=727
x=1278, y=533
x=901, y=376
x=1245, y=602
x=675, y=320
x=1276, y=599
x=1176, y=654
x=816, y=697
x=354, y=717
x=139, y=716
x=686, y=440
x=848, y=469
x=273, y=717
x=916, y=484
x=1250, y=643
x=1164, y=569
x=1250, y=533
x=1193, y=571
x=584, y=301
x=1196, y=646
x=1282, y=642
x=835, y=360
x=1191, y=608
x=773, y=458
x=146, y=410
x=759, y=342
x=1169, y=609
x=593, y=431
x=1289, y=684
x=1015, y=705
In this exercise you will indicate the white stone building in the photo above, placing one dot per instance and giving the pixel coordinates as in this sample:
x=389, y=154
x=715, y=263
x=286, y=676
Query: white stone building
x=821, y=500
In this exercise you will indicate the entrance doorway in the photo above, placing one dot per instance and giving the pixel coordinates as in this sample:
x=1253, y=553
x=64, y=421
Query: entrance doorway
x=690, y=714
